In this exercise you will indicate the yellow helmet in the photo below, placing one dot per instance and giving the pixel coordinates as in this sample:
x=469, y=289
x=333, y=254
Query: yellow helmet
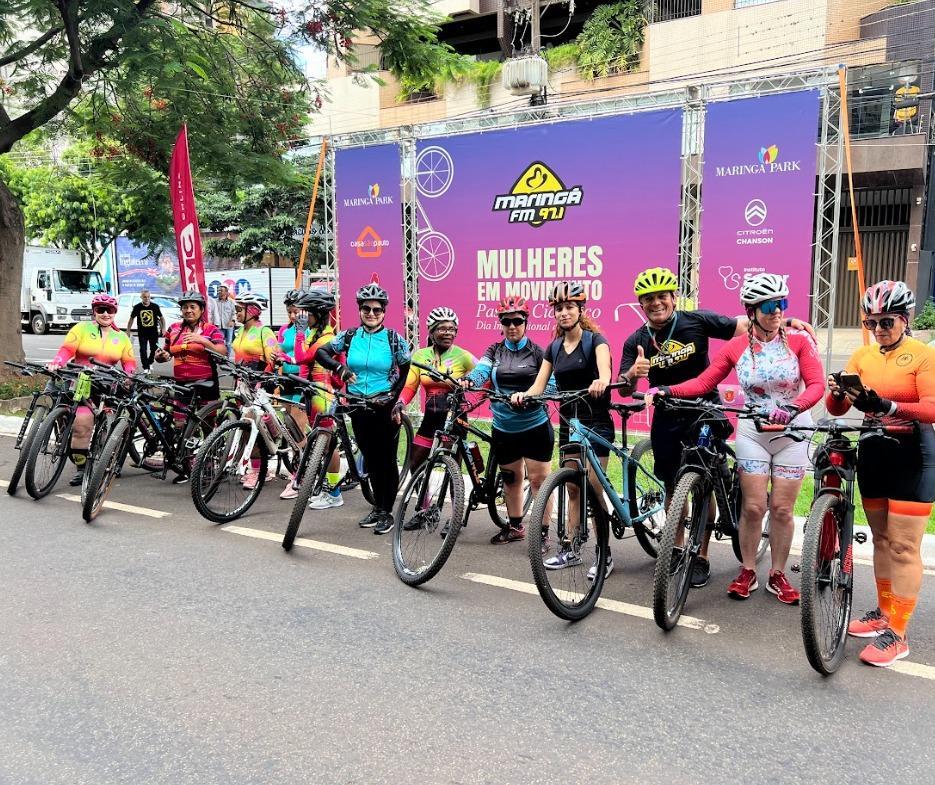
x=655, y=279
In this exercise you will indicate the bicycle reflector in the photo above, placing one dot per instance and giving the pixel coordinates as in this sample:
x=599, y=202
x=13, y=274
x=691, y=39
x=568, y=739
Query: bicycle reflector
x=82, y=389
x=836, y=459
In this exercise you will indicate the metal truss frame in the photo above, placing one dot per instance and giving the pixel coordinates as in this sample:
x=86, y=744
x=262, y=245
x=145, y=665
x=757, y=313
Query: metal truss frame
x=693, y=119
x=410, y=239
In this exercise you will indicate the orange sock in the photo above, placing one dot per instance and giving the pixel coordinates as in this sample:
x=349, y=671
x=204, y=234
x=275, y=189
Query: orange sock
x=885, y=597
x=902, y=612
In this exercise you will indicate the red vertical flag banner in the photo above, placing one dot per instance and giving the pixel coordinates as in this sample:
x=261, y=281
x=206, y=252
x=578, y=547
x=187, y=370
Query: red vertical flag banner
x=187, y=233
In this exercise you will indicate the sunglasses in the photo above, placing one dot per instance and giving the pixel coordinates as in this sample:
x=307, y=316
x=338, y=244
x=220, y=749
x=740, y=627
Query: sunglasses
x=886, y=323
x=771, y=306
x=375, y=310
x=516, y=321
x=102, y=309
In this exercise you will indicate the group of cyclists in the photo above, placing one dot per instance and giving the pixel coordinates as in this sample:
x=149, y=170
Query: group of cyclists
x=773, y=354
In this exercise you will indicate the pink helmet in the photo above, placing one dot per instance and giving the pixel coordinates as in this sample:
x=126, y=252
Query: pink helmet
x=106, y=300
x=888, y=297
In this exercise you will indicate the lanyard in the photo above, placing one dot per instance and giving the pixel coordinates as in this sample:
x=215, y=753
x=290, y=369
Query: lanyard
x=652, y=335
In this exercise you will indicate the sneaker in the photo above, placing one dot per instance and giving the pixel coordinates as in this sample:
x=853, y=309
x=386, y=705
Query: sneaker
x=75, y=481
x=370, y=519
x=251, y=478
x=608, y=568
x=562, y=560
x=290, y=492
x=871, y=624
x=743, y=584
x=780, y=586
x=325, y=501
x=386, y=524
x=701, y=572
x=509, y=534
x=885, y=650
x=180, y=479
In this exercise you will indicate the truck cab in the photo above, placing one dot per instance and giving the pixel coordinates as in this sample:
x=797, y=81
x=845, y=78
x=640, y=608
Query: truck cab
x=56, y=292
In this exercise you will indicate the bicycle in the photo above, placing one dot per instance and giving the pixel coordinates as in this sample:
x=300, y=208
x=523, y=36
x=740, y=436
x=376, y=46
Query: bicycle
x=570, y=593
x=708, y=467
x=329, y=432
x=434, y=498
x=827, y=563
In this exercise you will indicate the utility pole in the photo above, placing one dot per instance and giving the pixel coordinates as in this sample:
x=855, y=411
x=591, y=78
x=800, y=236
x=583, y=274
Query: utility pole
x=536, y=20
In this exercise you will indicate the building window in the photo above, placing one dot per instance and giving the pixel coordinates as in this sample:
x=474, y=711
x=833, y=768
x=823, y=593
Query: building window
x=749, y=3
x=879, y=102
x=667, y=10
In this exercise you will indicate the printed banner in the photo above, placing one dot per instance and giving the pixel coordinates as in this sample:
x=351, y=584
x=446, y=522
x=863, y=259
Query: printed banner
x=369, y=228
x=187, y=233
x=512, y=212
x=758, y=197
x=140, y=268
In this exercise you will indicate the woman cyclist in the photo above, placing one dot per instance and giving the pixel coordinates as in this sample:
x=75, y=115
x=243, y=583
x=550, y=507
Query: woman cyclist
x=101, y=341
x=895, y=473
x=286, y=338
x=377, y=367
x=579, y=357
x=442, y=354
x=523, y=439
x=780, y=372
x=186, y=343
x=254, y=344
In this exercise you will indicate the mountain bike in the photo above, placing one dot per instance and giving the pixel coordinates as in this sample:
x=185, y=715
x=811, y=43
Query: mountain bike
x=708, y=468
x=433, y=501
x=570, y=506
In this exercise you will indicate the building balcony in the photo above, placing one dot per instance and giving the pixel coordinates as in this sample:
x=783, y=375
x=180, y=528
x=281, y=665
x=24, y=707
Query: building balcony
x=667, y=10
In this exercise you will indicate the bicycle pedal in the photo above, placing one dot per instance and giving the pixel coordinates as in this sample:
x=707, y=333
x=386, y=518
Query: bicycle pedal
x=860, y=537
x=796, y=568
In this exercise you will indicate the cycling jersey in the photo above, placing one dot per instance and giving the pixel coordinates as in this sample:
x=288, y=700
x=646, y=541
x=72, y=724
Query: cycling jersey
x=372, y=360
x=455, y=361
x=190, y=360
x=510, y=368
x=256, y=346
x=286, y=338
x=306, y=346
x=86, y=341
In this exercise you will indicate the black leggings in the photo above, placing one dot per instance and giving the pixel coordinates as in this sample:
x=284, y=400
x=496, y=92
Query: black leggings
x=376, y=435
x=148, y=343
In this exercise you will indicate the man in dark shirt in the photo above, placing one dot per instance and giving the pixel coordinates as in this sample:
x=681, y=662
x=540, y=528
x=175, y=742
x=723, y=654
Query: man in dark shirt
x=151, y=326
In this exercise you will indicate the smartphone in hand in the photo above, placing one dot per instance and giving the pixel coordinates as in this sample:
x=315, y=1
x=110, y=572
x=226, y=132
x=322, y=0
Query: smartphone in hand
x=851, y=383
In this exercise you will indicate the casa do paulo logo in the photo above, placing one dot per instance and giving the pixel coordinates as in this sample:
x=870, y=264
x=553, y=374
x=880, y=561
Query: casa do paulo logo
x=372, y=198
x=767, y=162
x=537, y=197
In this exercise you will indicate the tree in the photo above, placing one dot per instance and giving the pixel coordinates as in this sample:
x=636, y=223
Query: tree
x=130, y=73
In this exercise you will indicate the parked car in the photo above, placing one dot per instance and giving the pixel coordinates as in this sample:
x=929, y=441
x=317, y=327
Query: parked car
x=168, y=305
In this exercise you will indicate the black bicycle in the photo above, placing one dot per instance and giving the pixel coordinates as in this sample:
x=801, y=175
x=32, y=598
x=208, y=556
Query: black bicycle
x=708, y=469
x=433, y=502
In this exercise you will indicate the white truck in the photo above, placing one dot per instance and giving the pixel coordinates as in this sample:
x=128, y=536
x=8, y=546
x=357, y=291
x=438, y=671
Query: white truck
x=57, y=290
x=271, y=282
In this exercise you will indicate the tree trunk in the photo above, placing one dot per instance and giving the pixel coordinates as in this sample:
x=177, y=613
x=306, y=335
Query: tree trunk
x=12, y=242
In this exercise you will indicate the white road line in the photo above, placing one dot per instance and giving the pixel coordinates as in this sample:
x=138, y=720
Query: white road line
x=121, y=507
x=302, y=542
x=609, y=605
x=4, y=484
x=914, y=669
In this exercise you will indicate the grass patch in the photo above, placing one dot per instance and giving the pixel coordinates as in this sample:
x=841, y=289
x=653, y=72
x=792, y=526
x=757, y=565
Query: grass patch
x=20, y=387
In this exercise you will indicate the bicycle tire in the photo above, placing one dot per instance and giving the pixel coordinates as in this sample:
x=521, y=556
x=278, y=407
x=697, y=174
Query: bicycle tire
x=763, y=544
x=313, y=477
x=647, y=535
x=407, y=570
x=203, y=495
x=557, y=601
x=668, y=603
x=36, y=417
x=203, y=422
x=60, y=417
x=827, y=566
x=99, y=436
x=105, y=469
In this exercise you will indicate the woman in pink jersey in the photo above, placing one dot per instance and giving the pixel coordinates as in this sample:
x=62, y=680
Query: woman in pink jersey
x=187, y=341
x=780, y=372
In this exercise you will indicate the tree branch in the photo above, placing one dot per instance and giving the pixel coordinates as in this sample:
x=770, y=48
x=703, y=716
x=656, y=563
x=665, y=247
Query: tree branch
x=30, y=48
x=69, y=12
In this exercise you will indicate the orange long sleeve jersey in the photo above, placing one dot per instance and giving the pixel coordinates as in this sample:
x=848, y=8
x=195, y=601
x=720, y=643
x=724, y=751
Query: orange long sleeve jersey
x=905, y=376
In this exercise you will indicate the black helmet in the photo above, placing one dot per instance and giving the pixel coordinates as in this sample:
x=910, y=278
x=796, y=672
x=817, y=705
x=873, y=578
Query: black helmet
x=316, y=301
x=372, y=291
x=192, y=296
x=292, y=296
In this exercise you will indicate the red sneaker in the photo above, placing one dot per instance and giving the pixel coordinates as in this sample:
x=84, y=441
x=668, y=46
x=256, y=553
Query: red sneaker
x=885, y=650
x=743, y=584
x=871, y=624
x=780, y=586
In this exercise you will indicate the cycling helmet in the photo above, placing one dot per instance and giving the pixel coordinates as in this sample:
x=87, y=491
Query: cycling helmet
x=316, y=301
x=292, y=295
x=888, y=297
x=655, y=279
x=252, y=298
x=567, y=292
x=192, y=296
x=372, y=291
x=107, y=300
x=438, y=315
x=512, y=305
x=762, y=287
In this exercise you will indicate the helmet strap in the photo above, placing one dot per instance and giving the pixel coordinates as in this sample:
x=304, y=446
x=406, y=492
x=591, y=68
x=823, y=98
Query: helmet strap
x=756, y=321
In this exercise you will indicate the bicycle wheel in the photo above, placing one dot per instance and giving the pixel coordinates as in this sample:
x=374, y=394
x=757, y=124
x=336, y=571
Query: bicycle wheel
x=197, y=429
x=496, y=501
x=568, y=592
x=102, y=426
x=647, y=495
x=827, y=583
x=39, y=413
x=763, y=544
x=433, y=502
x=218, y=473
x=688, y=515
x=48, y=452
x=313, y=478
x=105, y=469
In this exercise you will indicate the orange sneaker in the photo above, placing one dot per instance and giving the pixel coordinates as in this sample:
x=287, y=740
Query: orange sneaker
x=885, y=650
x=871, y=624
x=743, y=584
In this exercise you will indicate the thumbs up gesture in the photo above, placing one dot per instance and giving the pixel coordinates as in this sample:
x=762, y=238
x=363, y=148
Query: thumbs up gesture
x=640, y=368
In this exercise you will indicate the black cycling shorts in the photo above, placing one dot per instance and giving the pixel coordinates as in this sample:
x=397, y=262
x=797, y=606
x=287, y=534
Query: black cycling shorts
x=431, y=422
x=536, y=444
x=902, y=470
x=603, y=427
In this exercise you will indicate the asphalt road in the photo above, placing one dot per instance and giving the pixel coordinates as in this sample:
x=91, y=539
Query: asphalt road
x=144, y=649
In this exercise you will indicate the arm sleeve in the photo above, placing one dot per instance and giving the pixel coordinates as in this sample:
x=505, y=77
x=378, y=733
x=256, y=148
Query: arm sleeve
x=481, y=373
x=397, y=387
x=924, y=410
x=271, y=349
x=716, y=325
x=835, y=407
x=411, y=386
x=303, y=348
x=714, y=374
x=69, y=346
x=127, y=358
x=325, y=355
x=811, y=371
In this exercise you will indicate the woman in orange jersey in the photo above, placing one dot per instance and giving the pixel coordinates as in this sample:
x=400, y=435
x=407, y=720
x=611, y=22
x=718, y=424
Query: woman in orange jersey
x=896, y=473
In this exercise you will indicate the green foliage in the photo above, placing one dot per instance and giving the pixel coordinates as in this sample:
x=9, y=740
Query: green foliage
x=925, y=318
x=611, y=40
x=482, y=74
x=20, y=387
x=561, y=56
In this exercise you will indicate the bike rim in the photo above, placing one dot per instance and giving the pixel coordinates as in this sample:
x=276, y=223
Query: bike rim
x=832, y=574
x=426, y=509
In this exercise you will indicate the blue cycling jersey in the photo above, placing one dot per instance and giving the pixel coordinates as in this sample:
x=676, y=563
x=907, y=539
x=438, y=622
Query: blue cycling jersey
x=371, y=360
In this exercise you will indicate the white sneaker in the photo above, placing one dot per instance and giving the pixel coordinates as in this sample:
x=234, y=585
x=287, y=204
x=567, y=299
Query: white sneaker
x=608, y=568
x=325, y=501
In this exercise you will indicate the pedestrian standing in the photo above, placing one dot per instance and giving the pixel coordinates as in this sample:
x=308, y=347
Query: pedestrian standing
x=150, y=326
x=222, y=316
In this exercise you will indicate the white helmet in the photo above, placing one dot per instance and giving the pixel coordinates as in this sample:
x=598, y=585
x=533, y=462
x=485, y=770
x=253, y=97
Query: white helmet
x=438, y=315
x=251, y=298
x=888, y=297
x=762, y=287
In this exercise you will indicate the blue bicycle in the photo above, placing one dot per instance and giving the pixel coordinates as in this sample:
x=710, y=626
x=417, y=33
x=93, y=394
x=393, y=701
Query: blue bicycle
x=571, y=512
